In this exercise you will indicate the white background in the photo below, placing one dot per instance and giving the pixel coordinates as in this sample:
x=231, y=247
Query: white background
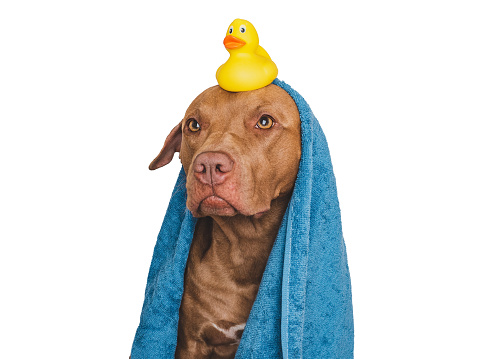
x=90, y=89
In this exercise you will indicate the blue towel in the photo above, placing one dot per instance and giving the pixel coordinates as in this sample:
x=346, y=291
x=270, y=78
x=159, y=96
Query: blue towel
x=303, y=308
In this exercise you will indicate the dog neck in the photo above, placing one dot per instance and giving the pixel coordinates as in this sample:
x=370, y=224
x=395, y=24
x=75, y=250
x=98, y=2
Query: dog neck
x=242, y=244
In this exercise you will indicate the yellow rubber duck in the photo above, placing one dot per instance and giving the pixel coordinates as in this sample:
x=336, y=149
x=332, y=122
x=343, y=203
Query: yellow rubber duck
x=249, y=66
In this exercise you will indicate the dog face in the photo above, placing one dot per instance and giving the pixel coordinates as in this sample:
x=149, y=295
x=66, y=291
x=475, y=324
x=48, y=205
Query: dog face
x=239, y=150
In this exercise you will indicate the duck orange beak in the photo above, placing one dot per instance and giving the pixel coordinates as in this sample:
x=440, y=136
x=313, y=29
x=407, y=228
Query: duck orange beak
x=232, y=42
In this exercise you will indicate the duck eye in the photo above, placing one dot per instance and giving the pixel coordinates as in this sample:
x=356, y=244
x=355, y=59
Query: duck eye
x=242, y=29
x=265, y=122
x=230, y=30
x=193, y=125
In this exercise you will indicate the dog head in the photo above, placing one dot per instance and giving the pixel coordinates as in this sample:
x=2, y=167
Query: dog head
x=239, y=150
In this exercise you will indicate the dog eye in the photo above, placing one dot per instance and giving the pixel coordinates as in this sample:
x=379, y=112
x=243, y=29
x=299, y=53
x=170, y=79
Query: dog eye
x=193, y=125
x=242, y=29
x=265, y=122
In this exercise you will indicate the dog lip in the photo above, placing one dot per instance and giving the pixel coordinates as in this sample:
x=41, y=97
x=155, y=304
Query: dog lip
x=215, y=205
x=260, y=214
x=215, y=201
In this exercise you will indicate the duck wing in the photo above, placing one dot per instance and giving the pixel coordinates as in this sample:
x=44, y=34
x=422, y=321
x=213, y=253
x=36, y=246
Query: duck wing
x=262, y=52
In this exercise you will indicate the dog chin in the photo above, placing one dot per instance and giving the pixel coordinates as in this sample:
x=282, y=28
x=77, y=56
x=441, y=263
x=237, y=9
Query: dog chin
x=215, y=206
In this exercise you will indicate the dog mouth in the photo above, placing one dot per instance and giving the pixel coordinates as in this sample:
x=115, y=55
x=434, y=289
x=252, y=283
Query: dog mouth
x=215, y=205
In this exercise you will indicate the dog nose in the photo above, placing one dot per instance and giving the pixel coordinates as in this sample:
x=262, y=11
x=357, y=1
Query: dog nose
x=212, y=168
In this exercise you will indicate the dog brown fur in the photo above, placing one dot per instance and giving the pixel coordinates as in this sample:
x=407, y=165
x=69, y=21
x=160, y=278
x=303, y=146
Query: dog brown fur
x=239, y=181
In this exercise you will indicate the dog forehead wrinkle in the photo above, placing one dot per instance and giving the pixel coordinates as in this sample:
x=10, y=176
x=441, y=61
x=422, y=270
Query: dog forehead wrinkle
x=282, y=108
x=208, y=97
x=272, y=100
x=192, y=113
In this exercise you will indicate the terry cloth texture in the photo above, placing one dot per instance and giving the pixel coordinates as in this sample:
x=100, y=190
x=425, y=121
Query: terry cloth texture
x=303, y=308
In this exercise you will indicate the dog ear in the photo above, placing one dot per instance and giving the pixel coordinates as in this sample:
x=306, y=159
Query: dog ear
x=172, y=145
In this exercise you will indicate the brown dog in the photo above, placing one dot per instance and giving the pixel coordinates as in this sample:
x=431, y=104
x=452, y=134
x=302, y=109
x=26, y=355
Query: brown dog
x=241, y=153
